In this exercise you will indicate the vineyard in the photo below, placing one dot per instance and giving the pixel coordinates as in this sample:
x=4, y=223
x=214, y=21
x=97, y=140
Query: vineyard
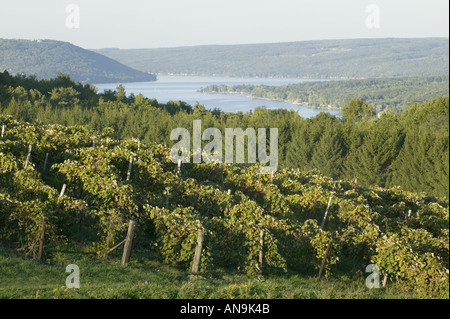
x=62, y=184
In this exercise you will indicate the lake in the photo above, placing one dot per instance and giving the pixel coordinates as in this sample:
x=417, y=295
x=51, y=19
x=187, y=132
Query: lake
x=185, y=88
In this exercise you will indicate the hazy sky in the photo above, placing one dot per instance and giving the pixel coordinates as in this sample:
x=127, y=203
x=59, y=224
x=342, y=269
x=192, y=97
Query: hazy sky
x=168, y=23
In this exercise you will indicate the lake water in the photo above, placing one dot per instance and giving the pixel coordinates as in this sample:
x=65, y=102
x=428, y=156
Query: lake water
x=185, y=88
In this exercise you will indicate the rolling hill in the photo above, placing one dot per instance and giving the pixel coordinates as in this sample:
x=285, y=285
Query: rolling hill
x=45, y=58
x=327, y=59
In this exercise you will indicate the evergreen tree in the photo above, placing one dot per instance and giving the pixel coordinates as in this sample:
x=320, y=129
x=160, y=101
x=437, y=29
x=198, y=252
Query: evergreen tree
x=423, y=163
x=371, y=161
x=299, y=150
x=329, y=153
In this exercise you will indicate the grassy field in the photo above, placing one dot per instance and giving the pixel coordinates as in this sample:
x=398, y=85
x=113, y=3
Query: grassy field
x=144, y=278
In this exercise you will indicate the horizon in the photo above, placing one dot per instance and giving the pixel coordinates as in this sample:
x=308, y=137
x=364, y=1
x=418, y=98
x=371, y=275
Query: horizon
x=135, y=24
x=230, y=44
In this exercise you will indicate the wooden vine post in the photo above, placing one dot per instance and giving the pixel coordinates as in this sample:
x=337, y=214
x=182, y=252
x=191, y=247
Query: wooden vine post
x=328, y=249
x=128, y=243
x=385, y=280
x=167, y=197
x=80, y=222
x=325, y=258
x=63, y=190
x=179, y=168
x=41, y=240
x=261, y=251
x=221, y=175
x=44, y=226
x=45, y=161
x=198, y=252
x=326, y=213
x=129, y=168
x=28, y=156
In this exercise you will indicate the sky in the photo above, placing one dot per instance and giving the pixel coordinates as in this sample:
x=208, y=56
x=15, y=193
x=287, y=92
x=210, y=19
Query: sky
x=95, y=24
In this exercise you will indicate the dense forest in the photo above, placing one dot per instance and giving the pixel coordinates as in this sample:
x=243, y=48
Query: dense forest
x=393, y=93
x=409, y=149
x=322, y=59
x=46, y=58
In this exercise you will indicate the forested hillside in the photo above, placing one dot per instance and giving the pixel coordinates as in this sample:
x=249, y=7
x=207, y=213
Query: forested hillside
x=46, y=58
x=393, y=93
x=409, y=149
x=324, y=59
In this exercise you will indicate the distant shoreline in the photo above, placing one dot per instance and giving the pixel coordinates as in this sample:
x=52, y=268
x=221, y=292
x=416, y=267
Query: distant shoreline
x=330, y=107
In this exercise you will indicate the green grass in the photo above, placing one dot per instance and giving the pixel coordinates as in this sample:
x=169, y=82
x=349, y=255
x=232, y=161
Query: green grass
x=144, y=278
